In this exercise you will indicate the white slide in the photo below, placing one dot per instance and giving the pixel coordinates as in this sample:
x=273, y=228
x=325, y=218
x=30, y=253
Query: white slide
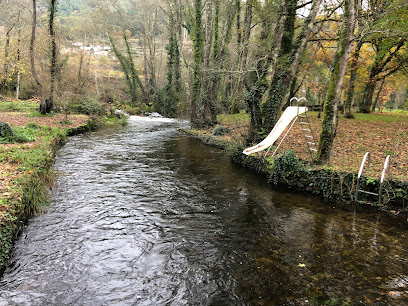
x=288, y=115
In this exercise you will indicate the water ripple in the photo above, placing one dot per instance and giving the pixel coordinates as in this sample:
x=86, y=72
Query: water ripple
x=143, y=216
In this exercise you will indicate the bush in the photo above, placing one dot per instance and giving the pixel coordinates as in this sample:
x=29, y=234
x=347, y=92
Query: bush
x=87, y=106
x=220, y=130
x=138, y=110
x=286, y=167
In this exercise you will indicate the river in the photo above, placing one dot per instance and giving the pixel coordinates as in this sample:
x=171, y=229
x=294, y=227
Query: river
x=141, y=215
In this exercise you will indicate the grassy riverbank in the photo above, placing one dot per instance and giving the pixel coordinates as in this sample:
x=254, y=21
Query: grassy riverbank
x=26, y=160
x=380, y=134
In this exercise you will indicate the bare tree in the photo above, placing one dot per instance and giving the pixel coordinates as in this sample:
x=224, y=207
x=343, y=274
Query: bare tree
x=32, y=58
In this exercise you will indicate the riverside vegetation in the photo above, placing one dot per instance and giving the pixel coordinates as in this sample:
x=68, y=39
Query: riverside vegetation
x=27, y=153
x=381, y=134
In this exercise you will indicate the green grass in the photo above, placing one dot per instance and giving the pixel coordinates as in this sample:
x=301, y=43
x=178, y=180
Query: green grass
x=31, y=174
x=228, y=119
x=22, y=134
x=20, y=106
x=382, y=117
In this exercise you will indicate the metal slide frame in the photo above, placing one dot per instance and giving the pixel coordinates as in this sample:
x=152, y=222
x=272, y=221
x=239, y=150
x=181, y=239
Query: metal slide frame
x=305, y=127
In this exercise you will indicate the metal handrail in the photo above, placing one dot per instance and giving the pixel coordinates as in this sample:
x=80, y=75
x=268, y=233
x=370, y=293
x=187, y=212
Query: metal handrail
x=385, y=173
x=297, y=100
x=360, y=172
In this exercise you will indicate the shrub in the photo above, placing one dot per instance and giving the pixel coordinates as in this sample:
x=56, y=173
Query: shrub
x=286, y=167
x=220, y=130
x=87, y=106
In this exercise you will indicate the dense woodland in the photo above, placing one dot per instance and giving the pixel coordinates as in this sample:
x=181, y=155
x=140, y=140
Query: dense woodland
x=199, y=58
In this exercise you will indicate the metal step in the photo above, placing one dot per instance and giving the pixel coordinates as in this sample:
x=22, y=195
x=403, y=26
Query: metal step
x=311, y=149
x=368, y=192
x=308, y=136
x=311, y=143
x=306, y=130
x=304, y=123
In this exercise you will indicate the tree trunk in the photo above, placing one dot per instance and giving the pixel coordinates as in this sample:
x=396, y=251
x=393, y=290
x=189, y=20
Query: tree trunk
x=219, y=54
x=330, y=111
x=368, y=95
x=32, y=58
x=354, y=64
x=352, y=83
x=18, y=64
x=96, y=84
x=6, y=56
x=198, y=45
x=238, y=23
x=378, y=95
x=53, y=69
x=384, y=54
x=243, y=50
x=207, y=51
x=256, y=82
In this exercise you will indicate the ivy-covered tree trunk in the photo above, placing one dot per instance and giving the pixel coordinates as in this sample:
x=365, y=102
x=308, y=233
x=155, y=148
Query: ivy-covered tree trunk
x=198, y=45
x=136, y=82
x=256, y=83
x=128, y=67
x=205, y=99
x=238, y=22
x=173, y=86
x=220, y=47
x=288, y=61
x=330, y=110
x=124, y=64
x=53, y=68
x=243, y=50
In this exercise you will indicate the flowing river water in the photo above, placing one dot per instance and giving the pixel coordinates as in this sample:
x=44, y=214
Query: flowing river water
x=141, y=215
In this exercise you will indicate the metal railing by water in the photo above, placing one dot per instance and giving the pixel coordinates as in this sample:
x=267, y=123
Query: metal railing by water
x=384, y=175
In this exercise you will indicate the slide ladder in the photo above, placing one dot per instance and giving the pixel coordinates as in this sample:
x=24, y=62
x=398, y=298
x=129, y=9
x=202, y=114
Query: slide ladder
x=308, y=134
x=291, y=114
x=306, y=128
x=385, y=173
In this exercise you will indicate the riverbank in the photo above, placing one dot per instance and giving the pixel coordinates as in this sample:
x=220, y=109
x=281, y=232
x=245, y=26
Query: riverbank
x=26, y=168
x=286, y=170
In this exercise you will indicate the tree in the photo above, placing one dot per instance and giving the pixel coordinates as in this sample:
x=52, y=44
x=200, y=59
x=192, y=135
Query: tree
x=43, y=106
x=128, y=67
x=197, y=37
x=386, y=62
x=330, y=111
x=381, y=27
x=290, y=54
x=53, y=67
